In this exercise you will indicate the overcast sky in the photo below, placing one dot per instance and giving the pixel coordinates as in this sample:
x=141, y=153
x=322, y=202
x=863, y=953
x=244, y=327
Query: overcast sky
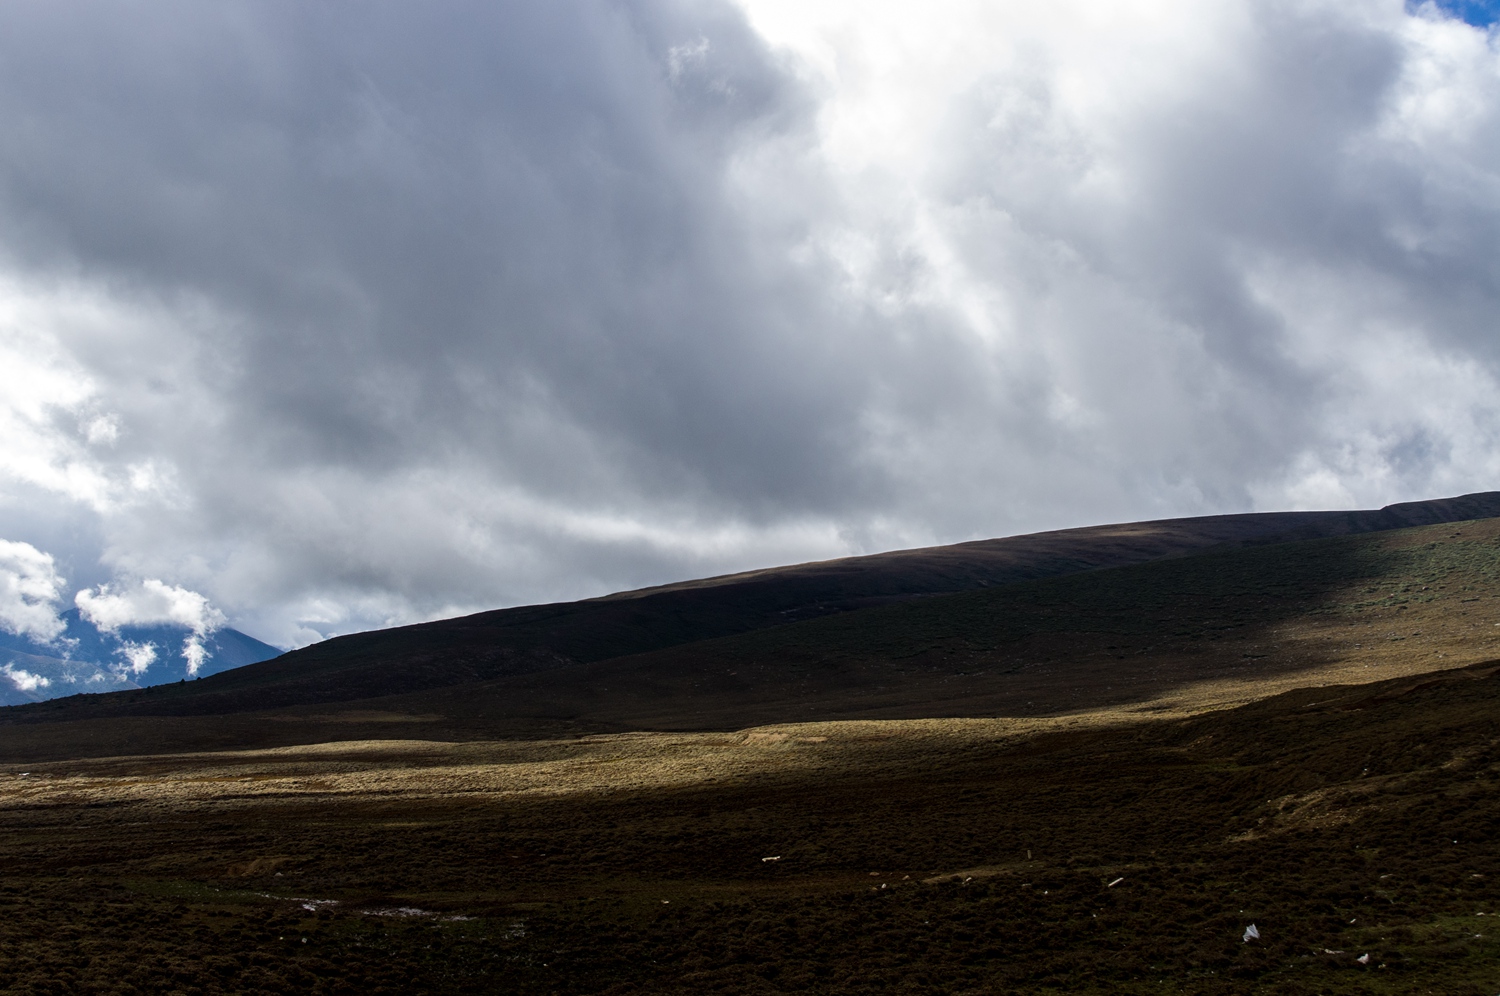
x=346, y=314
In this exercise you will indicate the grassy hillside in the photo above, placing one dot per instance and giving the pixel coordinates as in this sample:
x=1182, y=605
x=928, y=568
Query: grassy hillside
x=1421, y=598
x=1171, y=637
x=535, y=639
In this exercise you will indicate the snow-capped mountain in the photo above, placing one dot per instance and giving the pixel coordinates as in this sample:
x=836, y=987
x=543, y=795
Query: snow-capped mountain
x=87, y=659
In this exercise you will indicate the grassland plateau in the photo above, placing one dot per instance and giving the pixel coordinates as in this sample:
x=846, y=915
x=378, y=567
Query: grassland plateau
x=924, y=775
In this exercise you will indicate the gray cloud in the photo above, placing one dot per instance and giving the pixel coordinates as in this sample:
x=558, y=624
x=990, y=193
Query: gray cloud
x=344, y=315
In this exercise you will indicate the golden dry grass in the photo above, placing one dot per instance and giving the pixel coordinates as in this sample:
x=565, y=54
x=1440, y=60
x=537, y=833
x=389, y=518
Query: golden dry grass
x=414, y=770
x=1117, y=850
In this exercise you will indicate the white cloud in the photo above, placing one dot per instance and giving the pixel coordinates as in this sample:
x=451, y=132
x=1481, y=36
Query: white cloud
x=23, y=679
x=138, y=656
x=194, y=653
x=1207, y=244
x=147, y=603
x=68, y=347
x=30, y=588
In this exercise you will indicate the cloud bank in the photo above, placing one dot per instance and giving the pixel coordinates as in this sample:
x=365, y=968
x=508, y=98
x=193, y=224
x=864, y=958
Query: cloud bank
x=347, y=316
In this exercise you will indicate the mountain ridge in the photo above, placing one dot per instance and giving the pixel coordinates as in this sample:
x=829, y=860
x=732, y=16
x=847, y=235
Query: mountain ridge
x=532, y=638
x=579, y=666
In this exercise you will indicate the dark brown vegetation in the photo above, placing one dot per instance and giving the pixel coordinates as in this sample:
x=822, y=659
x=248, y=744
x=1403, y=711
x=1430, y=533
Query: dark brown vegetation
x=513, y=643
x=1342, y=822
x=1085, y=783
x=1170, y=636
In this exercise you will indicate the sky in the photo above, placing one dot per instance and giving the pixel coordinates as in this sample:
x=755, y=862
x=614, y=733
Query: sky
x=321, y=317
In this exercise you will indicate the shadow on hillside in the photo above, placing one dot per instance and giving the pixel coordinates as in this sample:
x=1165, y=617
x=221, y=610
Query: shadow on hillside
x=1126, y=637
x=1391, y=602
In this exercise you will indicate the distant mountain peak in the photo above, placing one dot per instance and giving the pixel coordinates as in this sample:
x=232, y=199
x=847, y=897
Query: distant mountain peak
x=84, y=658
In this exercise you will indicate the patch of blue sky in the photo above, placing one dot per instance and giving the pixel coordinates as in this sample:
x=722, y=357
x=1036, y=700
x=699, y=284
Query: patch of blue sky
x=1480, y=13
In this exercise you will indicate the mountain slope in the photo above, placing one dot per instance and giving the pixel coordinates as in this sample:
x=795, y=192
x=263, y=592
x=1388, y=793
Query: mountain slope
x=32, y=678
x=1173, y=636
x=86, y=659
x=512, y=642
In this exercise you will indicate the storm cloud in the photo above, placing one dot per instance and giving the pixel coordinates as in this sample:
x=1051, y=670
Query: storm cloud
x=344, y=315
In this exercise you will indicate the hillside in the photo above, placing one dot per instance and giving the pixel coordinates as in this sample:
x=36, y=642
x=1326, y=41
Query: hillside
x=1093, y=781
x=538, y=638
x=1174, y=635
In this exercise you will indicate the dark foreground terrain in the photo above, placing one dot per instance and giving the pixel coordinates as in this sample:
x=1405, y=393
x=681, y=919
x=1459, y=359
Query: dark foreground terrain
x=920, y=857
x=1093, y=779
